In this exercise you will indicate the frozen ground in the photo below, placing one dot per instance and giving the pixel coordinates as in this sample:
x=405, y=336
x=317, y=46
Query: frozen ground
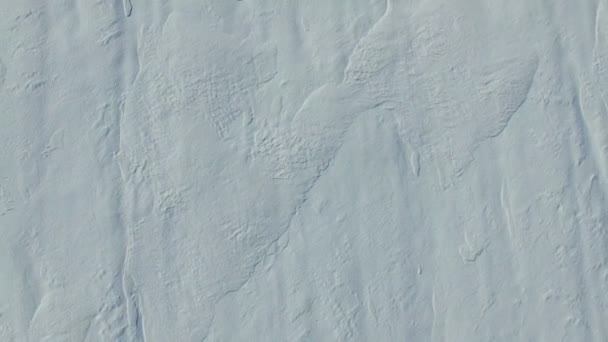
x=327, y=170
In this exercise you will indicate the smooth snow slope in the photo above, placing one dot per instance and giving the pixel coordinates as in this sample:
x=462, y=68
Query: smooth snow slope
x=265, y=170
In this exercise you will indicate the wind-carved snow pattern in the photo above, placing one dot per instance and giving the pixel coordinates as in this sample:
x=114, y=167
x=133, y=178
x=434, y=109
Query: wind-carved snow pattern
x=305, y=145
x=203, y=70
x=287, y=157
x=443, y=104
x=214, y=170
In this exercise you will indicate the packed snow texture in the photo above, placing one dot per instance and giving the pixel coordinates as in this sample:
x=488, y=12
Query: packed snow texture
x=319, y=170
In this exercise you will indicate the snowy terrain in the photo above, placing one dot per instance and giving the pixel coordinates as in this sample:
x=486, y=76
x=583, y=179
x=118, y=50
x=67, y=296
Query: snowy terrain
x=303, y=170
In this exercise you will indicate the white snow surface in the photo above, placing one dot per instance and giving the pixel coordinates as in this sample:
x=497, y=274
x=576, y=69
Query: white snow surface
x=303, y=170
